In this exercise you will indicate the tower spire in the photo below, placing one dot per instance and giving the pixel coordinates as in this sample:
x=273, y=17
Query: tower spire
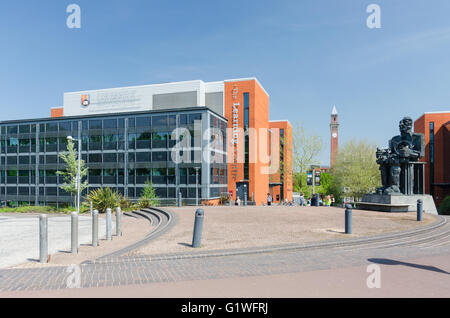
x=334, y=127
x=334, y=111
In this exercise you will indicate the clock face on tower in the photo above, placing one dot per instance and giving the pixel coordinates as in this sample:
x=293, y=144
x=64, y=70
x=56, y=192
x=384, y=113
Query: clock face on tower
x=334, y=135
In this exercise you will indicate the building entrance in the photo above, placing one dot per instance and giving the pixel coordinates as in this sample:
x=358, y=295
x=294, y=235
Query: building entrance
x=241, y=189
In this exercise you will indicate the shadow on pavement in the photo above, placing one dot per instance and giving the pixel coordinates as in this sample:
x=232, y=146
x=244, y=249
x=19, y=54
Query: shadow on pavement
x=185, y=244
x=385, y=261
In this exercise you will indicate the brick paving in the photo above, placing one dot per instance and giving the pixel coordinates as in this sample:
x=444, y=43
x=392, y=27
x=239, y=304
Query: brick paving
x=145, y=271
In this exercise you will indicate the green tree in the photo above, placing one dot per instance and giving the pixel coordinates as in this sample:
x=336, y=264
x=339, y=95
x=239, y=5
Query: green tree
x=148, y=197
x=305, y=150
x=356, y=171
x=70, y=173
x=326, y=185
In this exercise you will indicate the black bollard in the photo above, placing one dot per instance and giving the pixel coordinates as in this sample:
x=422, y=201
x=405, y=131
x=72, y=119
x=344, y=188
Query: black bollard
x=198, y=228
x=348, y=219
x=419, y=210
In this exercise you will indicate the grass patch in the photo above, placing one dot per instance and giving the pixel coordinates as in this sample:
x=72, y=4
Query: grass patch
x=36, y=209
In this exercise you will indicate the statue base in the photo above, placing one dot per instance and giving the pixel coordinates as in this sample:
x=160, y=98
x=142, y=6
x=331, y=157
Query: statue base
x=397, y=203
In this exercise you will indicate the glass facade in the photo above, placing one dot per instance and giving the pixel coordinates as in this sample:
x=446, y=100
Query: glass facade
x=121, y=151
x=247, y=140
x=431, y=159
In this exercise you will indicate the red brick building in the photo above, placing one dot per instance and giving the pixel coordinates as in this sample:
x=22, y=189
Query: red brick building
x=436, y=128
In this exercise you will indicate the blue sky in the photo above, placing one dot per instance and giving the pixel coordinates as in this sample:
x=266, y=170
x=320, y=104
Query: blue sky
x=308, y=55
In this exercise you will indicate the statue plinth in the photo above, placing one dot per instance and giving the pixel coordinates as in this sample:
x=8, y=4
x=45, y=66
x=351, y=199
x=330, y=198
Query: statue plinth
x=402, y=174
x=397, y=203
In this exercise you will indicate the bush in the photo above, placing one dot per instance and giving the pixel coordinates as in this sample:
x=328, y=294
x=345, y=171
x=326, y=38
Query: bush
x=103, y=199
x=127, y=205
x=148, y=198
x=444, y=208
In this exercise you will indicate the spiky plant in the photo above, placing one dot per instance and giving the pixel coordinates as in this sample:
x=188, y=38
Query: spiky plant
x=104, y=198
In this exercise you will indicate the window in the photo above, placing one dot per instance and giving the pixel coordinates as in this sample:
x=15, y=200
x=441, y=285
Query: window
x=159, y=121
x=65, y=126
x=142, y=157
x=142, y=121
x=51, y=127
x=159, y=156
x=95, y=124
x=183, y=120
x=246, y=109
x=51, y=159
x=12, y=129
x=109, y=157
x=110, y=123
x=194, y=117
x=24, y=129
x=11, y=160
x=95, y=158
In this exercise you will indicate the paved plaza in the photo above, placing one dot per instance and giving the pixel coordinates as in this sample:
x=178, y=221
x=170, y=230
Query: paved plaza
x=303, y=267
x=19, y=236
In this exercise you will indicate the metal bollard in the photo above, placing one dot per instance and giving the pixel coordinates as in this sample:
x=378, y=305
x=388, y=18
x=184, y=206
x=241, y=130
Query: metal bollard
x=43, y=238
x=348, y=219
x=74, y=236
x=198, y=228
x=118, y=221
x=419, y=210
x=95, y=228
x=91, y=207
x=108, y=224
x=180, y=200
x=245, y=196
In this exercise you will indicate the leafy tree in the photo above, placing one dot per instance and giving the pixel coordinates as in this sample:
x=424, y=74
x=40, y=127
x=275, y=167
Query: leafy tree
x=326, y=185
x=305, y=151
x=70, y=173
x=148, y=197
x=356, y=171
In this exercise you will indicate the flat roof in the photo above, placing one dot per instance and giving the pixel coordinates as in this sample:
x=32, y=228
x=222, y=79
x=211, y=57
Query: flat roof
x=443, y=112
x=247, y=79
x=169, y=110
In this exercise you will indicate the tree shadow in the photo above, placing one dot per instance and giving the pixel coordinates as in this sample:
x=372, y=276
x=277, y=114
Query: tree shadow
x=385, y=261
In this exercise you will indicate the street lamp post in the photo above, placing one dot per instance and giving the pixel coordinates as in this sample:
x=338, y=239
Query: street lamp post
x=78, y=172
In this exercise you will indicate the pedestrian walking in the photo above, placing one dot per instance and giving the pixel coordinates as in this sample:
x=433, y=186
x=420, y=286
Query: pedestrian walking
x=269, y=199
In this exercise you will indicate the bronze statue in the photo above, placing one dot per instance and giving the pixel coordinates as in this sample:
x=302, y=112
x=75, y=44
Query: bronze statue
x=397, y=161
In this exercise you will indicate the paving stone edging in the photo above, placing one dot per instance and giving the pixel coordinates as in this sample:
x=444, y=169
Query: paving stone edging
x=172, y=220
x=440, y=222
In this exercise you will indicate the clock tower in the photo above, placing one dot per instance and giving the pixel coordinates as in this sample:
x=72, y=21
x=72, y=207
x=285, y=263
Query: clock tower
x=334, y=126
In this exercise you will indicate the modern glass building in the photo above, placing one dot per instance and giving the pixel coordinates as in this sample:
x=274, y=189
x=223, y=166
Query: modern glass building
x=122, y=151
